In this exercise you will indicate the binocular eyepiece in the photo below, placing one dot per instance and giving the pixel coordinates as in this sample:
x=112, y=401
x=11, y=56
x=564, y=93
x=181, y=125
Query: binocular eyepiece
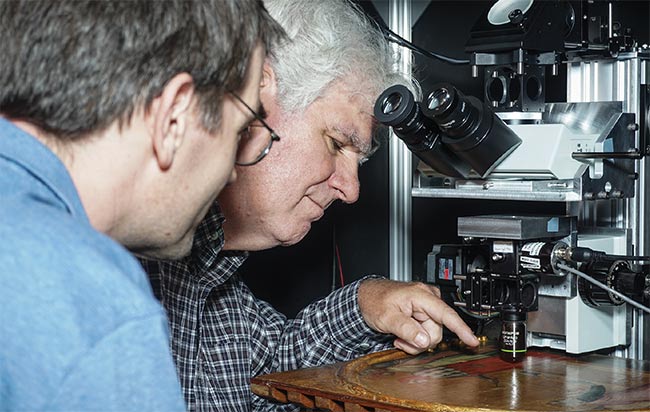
x=450, y=132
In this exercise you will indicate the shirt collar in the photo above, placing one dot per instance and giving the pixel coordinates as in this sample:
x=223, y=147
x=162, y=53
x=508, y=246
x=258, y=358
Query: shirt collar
x=28, y=152
x=210, y=263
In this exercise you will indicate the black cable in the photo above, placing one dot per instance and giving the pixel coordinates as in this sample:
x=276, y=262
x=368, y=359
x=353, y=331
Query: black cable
x=628, y=257
x=584, y=254
x=393, y=37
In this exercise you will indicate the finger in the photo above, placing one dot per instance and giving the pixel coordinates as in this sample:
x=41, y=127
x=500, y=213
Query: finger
x=441, y=313
x=417, y=331
x=410, y=331
x=408, y=348
x=434, y=330
x=448, y=317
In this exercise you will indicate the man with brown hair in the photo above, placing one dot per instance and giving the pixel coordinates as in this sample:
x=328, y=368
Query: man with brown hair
x=119, y=119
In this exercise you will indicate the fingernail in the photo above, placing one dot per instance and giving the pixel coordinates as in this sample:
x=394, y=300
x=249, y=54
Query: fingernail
x=422, y=340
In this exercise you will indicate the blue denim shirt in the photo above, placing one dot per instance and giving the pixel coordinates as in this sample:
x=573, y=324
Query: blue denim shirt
x=79, y=326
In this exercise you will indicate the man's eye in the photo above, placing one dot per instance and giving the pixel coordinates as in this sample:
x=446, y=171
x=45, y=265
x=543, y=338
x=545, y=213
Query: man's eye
x=334, y=145
x=245, y=133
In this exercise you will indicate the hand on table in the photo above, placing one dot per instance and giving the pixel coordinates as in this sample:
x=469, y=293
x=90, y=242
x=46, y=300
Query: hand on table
x=414, y=312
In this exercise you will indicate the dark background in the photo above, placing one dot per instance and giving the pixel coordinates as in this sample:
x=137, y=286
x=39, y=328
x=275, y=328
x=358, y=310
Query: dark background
x=292, y=277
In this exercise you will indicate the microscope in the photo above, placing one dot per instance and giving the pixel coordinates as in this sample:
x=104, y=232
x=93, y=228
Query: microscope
x=580, y=280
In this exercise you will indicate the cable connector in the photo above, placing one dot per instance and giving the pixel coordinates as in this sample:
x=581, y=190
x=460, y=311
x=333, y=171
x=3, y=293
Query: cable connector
x=586, y=255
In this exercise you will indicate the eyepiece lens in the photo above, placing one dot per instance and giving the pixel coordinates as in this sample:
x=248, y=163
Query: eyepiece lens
x=391, y=103
x=438, y=98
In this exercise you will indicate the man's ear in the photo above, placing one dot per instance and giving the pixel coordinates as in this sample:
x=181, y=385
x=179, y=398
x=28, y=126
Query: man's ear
x=169, y=118
x=268, y=84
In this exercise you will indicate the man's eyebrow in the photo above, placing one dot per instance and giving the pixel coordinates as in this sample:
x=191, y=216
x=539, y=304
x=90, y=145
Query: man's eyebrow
x=365, y=149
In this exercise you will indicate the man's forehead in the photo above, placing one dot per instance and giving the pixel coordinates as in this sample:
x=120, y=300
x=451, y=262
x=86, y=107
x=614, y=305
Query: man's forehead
x=349, y=112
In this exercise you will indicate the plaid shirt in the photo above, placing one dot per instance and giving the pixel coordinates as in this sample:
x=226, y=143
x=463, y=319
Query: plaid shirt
x=221, y=335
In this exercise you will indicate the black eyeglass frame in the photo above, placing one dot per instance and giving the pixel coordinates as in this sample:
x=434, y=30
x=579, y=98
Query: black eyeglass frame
x=274, y=135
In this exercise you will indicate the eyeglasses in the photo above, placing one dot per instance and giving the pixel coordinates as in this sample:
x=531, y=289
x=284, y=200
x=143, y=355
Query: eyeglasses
x=254, y=146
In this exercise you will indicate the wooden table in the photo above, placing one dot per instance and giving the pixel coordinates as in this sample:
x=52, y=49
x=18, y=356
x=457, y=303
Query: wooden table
x=463, y=380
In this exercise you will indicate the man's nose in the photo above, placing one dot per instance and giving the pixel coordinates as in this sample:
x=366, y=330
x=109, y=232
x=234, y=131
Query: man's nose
x=345, y=180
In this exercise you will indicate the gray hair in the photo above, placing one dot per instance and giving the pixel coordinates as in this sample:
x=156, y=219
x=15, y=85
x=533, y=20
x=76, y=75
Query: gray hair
x=329, y=41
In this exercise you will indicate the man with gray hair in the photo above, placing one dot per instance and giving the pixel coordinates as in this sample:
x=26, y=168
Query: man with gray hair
x=317, y=92
x=117, y=120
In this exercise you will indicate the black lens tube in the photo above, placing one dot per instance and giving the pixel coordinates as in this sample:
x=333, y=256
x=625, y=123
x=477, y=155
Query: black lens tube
x=396, y=107
x=470, y=128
